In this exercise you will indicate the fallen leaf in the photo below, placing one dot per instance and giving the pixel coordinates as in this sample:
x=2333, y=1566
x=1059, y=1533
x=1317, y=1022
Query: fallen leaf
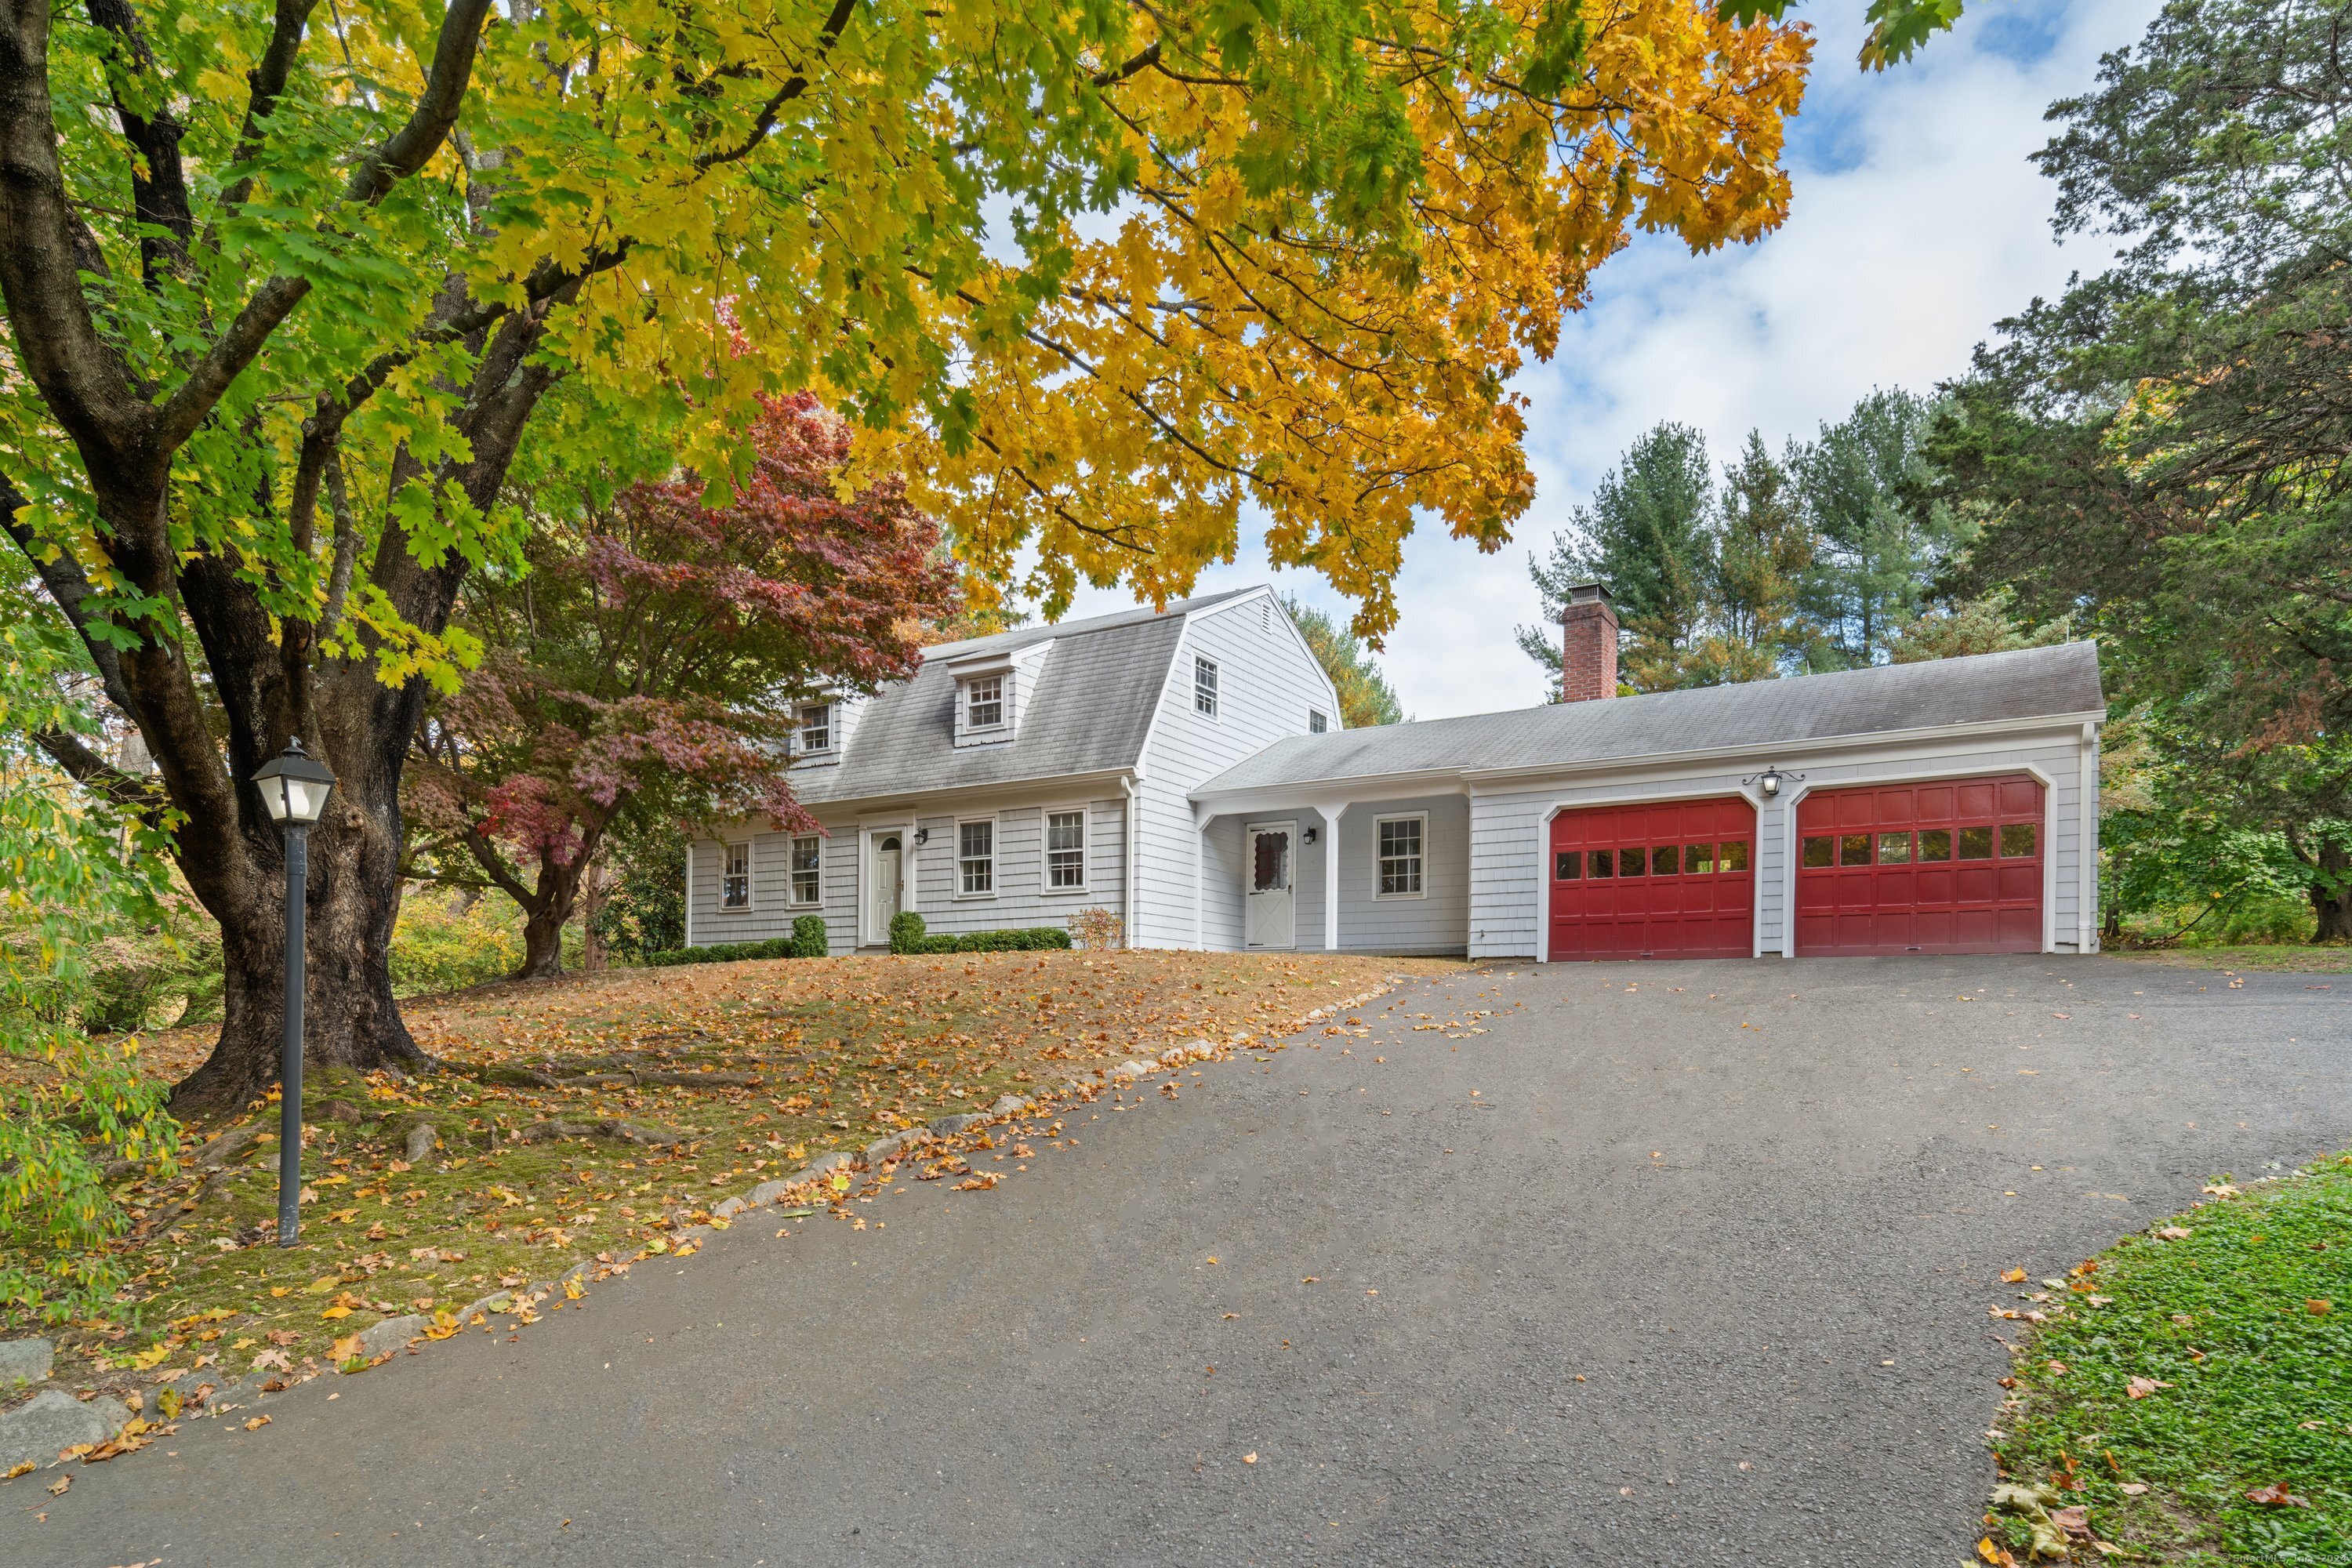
x=2171, y=1233
x=1250, y=1457
x=2319, y=1306
x=2141, y=1387
x=23, y=1467
x=57, y=1488
x=2275, y=1495
x=2133, y=1489
x=333, y=1312
x=2015, y=1277
x=256, y=1424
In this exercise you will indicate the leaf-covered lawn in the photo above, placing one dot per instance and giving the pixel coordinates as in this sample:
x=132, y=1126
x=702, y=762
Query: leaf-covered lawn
x=2189, y=1396
x=753, y=1068
x=2296, y=958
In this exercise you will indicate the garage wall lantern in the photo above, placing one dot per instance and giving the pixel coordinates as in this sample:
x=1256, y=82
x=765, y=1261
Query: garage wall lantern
x=922, y=835
x=1769, y=781
x=1308, y=837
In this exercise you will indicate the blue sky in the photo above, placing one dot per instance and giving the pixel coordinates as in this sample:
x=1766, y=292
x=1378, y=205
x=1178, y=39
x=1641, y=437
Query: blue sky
x=1916, y=223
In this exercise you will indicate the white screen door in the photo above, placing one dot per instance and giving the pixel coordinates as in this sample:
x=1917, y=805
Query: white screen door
x=1268, y=886
x=882, y=899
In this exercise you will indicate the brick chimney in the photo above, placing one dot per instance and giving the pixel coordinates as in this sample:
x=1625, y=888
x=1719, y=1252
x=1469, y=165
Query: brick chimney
x=1588, y=645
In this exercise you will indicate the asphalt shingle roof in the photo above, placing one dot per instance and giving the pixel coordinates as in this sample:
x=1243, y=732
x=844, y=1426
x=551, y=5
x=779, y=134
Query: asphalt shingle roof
x=1766, y=715
x=1090, y=712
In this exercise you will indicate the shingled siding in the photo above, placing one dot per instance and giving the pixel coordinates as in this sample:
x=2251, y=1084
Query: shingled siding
x=1266, y=682
x=1021, y=899
x=1508, y=831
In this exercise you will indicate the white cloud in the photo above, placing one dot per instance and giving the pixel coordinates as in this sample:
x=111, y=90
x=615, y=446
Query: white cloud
x=1917, y=223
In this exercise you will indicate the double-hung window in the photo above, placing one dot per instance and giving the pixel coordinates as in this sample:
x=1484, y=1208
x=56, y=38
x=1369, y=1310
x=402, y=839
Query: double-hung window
x=1401, y=855
x=976, y=858
x=983, y=702
x=808, y=866
x=735, y=878
x=816, y=729
x=1205, y=687
x=1066, y=849
x=1316, y=722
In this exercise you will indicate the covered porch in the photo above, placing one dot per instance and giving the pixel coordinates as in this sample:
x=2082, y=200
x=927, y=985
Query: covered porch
x=1370, y=873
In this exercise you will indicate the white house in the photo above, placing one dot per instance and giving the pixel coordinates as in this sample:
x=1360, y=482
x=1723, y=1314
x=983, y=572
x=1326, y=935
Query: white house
x=1184, y=768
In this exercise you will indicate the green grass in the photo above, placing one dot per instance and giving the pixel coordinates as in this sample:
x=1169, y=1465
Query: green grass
x=2249, y=1320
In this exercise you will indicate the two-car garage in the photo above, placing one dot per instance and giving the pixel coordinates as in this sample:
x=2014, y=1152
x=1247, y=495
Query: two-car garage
x=1947, y=865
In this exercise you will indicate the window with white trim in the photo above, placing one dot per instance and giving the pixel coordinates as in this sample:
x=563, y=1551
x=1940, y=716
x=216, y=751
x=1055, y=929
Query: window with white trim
x=983, y=702
x=735, y=877
x=1065, y=850
x=976, y=858
x=1316, y=723
x=1401, y=855
x=816, y=728
x=1204, y=685
x=808, y=868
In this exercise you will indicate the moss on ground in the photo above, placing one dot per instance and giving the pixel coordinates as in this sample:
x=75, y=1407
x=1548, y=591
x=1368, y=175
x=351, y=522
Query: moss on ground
x=2190, y=1390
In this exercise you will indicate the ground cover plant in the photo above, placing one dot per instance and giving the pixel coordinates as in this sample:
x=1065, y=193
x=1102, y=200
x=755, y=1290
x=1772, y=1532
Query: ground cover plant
x=2186, y=1397
x=594, y=1117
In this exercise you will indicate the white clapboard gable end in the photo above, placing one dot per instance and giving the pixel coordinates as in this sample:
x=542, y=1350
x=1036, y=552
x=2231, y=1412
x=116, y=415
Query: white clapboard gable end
x=1184, y=769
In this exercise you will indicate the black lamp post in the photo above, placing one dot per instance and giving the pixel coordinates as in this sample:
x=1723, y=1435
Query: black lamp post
x=295, y=788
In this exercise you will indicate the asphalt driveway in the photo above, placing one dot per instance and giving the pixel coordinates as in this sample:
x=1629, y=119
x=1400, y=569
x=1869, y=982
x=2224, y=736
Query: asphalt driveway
x=1676, y=1263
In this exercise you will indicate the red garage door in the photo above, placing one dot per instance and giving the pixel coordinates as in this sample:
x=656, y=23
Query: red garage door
x=1934, y=868
x=1674, y=880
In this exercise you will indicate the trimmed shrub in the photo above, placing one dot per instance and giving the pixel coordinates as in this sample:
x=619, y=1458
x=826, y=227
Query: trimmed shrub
x=723, y=953
x=808, y=937
x=907, y=932
x=908, y=935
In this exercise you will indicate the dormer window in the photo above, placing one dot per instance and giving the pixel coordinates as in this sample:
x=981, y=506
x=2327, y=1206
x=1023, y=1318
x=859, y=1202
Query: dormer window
x=816, y=728
x=983, y=699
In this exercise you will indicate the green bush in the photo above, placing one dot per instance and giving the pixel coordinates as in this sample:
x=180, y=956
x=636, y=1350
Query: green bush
x=724, y=952
x=809, y=940
x=436, y=947
x=908, y=935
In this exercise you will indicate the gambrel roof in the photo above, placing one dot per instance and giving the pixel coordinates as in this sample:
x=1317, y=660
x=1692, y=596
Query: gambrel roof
x=1089, y=712
x=2060, y=682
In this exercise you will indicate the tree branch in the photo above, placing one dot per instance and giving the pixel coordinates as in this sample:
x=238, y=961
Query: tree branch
x=265, y=83
x=794, y=85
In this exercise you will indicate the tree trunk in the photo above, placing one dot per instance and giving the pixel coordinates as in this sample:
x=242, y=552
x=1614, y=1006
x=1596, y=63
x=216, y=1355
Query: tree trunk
x=546, y=914
x=350, y=1018
x=2331, y=896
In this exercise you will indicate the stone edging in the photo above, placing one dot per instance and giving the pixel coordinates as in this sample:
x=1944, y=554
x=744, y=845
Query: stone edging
x=54, y=1419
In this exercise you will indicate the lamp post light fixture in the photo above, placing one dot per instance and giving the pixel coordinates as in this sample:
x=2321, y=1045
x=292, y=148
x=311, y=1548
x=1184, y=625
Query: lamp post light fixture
x=294, y=787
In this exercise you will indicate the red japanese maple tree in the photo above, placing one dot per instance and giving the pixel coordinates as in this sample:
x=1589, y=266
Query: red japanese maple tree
x=650, y=662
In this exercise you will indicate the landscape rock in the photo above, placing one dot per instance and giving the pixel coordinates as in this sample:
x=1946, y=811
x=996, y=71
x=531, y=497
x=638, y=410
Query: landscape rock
x=25, y=1361
x=341, y=1111
x=949, y=1126
x=1008, y=1105
x=827, y=1164
x=423, y=1139
x=728, y=1209
x=54, y=1419
x=768, y=1192
x=392, y=1334
x=882, y=1150
x=225, y=1147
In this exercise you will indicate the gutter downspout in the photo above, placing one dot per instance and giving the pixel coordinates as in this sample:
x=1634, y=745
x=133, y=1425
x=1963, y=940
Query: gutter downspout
x=1127, y=784
x=690, y=849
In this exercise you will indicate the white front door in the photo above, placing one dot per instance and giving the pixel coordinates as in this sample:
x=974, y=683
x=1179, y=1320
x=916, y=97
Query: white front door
x=1267, y=868
x=883, y=885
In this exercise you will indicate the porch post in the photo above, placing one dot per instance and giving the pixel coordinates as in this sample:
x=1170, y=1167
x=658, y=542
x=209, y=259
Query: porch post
x=1200, y=832
x=1331, y=816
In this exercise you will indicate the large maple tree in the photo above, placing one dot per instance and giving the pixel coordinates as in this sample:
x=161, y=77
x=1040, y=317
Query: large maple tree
x=286, y=290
